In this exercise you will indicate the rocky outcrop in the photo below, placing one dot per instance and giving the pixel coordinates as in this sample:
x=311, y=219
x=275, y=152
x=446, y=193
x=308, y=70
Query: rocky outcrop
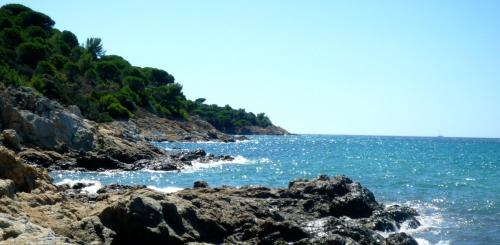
x=48, y=134
x=23, y=177
x=19, y=230
x=255, y=130
x=150, y=127
x=320, y=211
x=42, y=122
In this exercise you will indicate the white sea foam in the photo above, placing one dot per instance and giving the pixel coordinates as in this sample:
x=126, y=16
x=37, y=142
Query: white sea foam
x=169, y=189
x=430, y=218
x=196, y=165
x=93, y=185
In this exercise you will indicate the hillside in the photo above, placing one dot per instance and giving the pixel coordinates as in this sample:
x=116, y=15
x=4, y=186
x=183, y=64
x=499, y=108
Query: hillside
x=104, y=87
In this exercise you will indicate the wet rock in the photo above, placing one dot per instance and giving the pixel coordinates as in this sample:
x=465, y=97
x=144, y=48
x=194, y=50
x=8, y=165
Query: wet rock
x=390, y=218
x=301, y=214
x=200, y=184
x=400, y=239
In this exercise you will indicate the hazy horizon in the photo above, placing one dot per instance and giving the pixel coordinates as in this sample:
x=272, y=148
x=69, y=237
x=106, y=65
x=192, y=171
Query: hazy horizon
x=420, y=68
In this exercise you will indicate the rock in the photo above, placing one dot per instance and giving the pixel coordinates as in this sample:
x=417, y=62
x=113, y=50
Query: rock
x=42, y=122
x=390, y=218
x=400, y=239
x=7, y=188
x=306, y=213
x=21, y=231
x=91, y=231
x=11, y=139
x=256, y=130
x=25, y=178
x=36, y=157
x=200, y=184
x=75, y=110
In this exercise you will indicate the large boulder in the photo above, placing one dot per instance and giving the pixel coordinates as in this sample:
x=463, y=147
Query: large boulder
x=42, y=122
x=24, y=177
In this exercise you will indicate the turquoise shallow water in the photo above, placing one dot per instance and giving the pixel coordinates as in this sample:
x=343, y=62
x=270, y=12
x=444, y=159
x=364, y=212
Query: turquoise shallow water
x=453, y=182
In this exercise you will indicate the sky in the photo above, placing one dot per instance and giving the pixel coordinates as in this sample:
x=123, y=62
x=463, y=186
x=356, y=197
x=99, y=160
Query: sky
x=414, y=68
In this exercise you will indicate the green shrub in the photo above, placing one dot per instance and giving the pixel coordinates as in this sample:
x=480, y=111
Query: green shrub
x=32, y=18
x=107, y=70
x=47, y=86
x=128, y=98
x=36, y=31
x=116, y=110
x=31, y=53
x=69, y=38
x=136, y=84
x=45, y=67
x=157, y=77
x=10, y=77
x=15, y=9
x=58, y=60
x=11, y=37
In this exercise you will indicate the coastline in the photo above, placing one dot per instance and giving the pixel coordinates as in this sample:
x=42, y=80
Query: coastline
x=326, y=209
x=35, y=209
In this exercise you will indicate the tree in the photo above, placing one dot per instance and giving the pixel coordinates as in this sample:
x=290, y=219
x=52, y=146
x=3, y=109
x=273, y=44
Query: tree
x=107, y=70
x=94, y=46
x=11, y=37
x=31, y=53
x=158, y=77
x=32, y=18
x=69, y=38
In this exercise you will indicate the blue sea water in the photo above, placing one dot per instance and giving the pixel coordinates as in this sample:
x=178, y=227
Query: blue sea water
x=452, y=182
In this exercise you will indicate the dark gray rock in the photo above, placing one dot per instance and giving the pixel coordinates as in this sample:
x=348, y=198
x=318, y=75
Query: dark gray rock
x=400, y=239
x=306, y=213
x=11, y=139
x=200, y=184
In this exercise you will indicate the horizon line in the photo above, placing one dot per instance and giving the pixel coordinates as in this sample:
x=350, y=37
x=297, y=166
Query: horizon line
x=381, y=135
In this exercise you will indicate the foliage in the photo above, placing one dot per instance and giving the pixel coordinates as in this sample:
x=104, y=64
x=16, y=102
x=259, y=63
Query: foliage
x=94, y=47
x=105, y=87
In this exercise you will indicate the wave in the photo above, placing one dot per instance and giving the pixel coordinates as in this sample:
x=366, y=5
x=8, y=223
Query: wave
x=196, y=165
x=431, y=220
x=91, y=185
x=170, y=189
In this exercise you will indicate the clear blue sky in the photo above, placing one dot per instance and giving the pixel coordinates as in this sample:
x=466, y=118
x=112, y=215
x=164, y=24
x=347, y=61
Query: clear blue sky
x=336, y=67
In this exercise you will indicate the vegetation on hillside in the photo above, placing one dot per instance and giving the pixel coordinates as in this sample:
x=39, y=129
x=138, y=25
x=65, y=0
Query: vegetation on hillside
x=104, y=87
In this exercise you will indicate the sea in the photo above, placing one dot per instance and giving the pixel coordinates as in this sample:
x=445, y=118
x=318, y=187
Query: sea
x=454, y=183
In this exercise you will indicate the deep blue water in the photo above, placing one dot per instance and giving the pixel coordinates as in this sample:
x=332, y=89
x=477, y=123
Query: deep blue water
x=453, y=182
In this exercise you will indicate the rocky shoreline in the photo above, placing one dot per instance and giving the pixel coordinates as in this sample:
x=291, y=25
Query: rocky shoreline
x=326, y=210
x=40, y=135
x=44, y=133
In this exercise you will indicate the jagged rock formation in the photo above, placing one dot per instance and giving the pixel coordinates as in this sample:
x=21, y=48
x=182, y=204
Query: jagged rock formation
x=50, y=135
x=321, y=211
